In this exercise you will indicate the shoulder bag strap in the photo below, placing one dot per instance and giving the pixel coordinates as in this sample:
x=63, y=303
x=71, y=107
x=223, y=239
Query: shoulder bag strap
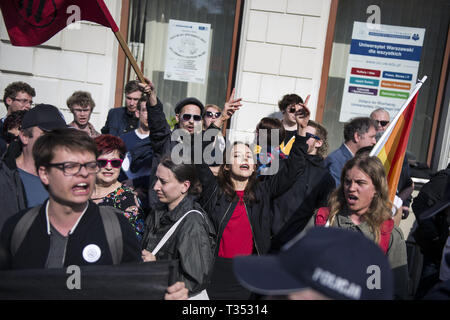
x=171, y=231
x=22, y=227
x=113, y=232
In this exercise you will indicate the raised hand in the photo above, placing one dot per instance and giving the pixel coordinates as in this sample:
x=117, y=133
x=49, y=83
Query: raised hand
x=302, y=116
x=149, y=89
x=231, y=106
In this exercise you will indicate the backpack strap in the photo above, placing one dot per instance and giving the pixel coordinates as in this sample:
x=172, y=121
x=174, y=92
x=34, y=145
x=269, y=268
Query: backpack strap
x=386, y=231
x=322, y=217
x=22, y=227
x=171, y=231
x=113, y=232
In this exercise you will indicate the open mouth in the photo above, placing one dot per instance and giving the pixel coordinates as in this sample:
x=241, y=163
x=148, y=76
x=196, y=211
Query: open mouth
x=81, y=188
x=244, y=167
x=351, y=199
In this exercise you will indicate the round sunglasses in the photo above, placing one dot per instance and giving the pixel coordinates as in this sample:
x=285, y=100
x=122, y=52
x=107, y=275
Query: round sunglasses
x=115, y=163
x=210, y=114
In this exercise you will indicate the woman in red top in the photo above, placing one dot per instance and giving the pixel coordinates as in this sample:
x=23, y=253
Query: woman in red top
x=240, y=206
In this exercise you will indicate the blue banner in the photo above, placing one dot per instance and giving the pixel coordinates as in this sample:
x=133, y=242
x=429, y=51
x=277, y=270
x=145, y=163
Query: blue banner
x=385, y=50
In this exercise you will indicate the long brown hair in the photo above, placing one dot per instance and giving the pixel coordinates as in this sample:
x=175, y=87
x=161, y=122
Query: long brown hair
x=224, y=177
x=380, y=207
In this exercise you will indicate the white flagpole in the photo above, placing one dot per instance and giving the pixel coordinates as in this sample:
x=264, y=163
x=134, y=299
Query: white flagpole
x=379, y=145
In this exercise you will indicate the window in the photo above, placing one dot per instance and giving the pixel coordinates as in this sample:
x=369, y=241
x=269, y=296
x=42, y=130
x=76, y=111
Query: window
x=432, y=16
x=201, y=59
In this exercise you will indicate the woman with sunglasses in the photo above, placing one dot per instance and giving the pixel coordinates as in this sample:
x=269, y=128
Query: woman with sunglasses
x=212, y=112
x=108, y=190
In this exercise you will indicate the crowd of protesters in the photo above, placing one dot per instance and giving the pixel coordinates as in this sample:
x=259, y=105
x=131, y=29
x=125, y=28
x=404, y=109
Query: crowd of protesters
x=282, y=216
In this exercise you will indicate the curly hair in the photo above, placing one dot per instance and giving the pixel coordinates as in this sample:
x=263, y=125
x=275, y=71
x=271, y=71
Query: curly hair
x=322, y=133
x=107, y=143
x=380, y=207
x=14, y=88
x=14, y=120
x=81, y=98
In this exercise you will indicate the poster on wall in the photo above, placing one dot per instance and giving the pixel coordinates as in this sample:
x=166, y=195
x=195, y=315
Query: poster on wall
x=382, y=69
x=187, y=51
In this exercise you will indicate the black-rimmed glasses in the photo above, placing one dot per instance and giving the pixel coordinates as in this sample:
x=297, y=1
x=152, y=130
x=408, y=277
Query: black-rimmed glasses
x=73, y=168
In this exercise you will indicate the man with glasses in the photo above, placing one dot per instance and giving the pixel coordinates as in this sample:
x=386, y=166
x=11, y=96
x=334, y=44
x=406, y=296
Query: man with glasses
x=382, y=118
x=122, y=120
x=18, y=96
x=81, y=104
x=20, y=186
x=288, y=105
x=68, y=229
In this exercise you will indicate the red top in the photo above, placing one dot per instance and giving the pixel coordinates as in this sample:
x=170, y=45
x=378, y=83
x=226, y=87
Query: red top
x=237, y=238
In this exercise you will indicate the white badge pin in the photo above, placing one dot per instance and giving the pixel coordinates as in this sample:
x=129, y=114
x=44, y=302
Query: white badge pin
x=91, y=253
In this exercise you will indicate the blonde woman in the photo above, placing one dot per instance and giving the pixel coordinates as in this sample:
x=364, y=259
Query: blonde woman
x=361, y=203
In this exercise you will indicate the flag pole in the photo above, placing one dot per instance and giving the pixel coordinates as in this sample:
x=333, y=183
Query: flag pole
x=130, y=56
x=386, y=133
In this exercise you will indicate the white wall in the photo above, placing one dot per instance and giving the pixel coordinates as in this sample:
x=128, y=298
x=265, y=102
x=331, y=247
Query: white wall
x=83, y=59
x=281, y=51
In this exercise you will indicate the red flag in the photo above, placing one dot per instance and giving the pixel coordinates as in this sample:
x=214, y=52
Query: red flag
x=32, y=22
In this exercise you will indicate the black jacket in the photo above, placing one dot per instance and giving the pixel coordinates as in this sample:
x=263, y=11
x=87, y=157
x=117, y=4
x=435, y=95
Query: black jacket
x=294, y=208
x=219, y=207
x=117, y=122
x=12, y=192
x=33, y=252
x=192, y=243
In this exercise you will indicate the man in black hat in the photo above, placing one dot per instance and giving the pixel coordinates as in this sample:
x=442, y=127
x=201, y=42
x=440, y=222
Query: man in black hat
x=188, y=112
x=20, y=187
x=327, y=263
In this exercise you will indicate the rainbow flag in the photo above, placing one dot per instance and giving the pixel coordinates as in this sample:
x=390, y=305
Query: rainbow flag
x=391, y=147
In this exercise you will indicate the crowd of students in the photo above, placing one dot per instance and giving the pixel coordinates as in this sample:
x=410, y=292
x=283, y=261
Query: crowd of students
x=201, y=205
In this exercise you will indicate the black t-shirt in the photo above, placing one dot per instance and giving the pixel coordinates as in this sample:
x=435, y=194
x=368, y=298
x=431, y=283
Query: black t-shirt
x=288, y=135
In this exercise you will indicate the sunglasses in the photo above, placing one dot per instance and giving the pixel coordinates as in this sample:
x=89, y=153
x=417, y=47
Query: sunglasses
x=382, y=123
x=188, y=116
x=115, y=163
x=292, y=109
x=210, y=114
x=310, y=135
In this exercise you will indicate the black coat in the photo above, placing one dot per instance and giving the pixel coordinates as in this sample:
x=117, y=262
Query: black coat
x=294, y=208
x=192, y=243
x=220, y=208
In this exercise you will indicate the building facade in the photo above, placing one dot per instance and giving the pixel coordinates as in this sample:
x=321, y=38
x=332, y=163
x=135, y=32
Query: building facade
x=264, y=49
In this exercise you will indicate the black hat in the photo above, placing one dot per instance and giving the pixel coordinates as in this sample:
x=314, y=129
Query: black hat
x=187, y=101
x=440, y=205
x=339, y=264
x=44, y=116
